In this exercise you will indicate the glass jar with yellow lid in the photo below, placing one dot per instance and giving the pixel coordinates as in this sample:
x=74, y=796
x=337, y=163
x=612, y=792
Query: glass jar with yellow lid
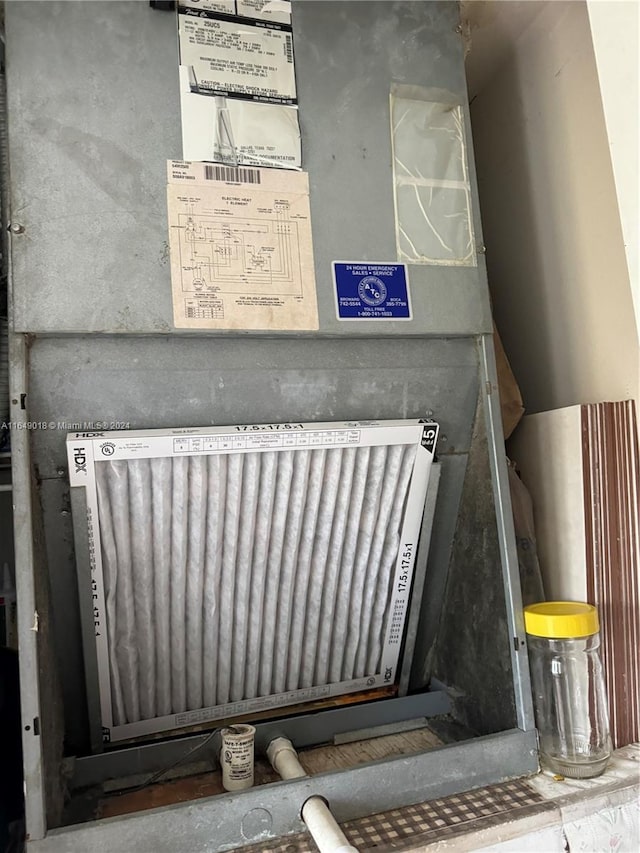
x=568, y=687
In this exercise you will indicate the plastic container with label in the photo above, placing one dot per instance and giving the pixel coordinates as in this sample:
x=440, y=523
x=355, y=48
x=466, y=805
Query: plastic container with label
x=236, y=757
x=568, y=687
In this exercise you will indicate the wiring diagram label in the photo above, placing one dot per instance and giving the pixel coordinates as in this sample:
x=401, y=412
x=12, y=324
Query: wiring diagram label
x=241, y=249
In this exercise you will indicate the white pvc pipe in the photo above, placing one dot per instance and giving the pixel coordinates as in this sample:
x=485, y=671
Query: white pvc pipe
x=322, y=825
x=284, y=759
x=324, y=830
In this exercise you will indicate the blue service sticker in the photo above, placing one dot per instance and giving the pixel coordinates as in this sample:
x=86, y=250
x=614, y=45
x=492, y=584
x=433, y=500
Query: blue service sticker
x=371, y=291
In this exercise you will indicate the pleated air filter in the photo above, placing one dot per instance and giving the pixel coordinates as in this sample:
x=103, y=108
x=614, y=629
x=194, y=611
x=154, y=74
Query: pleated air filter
x=243, y=568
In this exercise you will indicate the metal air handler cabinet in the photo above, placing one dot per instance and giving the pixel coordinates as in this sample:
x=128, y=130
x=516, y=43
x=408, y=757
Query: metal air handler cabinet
x=93, y=116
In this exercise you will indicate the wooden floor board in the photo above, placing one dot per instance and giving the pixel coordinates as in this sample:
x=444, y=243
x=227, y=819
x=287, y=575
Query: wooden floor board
x=316, y=760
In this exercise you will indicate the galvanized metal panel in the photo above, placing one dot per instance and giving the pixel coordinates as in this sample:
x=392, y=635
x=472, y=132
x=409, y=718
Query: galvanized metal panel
x=170, y=382
x=228, y=821
x=66, y=613
x=93, y=99
x=442, y=536
x=506, y=538
x=348, y=54
x=479, y=633
x=94, y=113
x=26, y=597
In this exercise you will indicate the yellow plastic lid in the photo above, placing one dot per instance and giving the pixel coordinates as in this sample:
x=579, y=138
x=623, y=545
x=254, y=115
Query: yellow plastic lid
x=560, y=620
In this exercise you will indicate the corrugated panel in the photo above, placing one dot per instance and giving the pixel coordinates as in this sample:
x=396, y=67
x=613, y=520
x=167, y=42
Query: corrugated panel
x=611, y=470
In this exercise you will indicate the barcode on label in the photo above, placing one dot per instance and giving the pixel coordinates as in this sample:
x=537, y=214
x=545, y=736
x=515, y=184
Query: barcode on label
x=232, y=173
x=288, y=48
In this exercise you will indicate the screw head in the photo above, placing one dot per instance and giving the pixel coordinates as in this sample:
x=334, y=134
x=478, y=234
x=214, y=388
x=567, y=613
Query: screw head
x=60, y=472
x=16, y=228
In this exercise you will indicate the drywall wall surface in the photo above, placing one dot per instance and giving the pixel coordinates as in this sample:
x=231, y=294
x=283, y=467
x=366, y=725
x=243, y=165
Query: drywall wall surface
x=547, y=448
x=555, y=250
x=615, y=30
x=490, y=27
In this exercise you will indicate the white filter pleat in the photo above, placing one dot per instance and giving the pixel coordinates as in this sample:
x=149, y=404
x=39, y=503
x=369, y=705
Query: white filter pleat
x=370, y=510
x=312, y=595
x=373, y=565
x=126, y=640
x=354, y=515
x=217, y=473
x=389, y=557
x=110, y=575
x=250, y=484
x=293, y=532
x=284, y=477
x=195, y=577
x=303, y=568
x=261, y=550
x=161, y=491
x=232, y=513
x=327, y=607
x=179, y=523
x=142, y=560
